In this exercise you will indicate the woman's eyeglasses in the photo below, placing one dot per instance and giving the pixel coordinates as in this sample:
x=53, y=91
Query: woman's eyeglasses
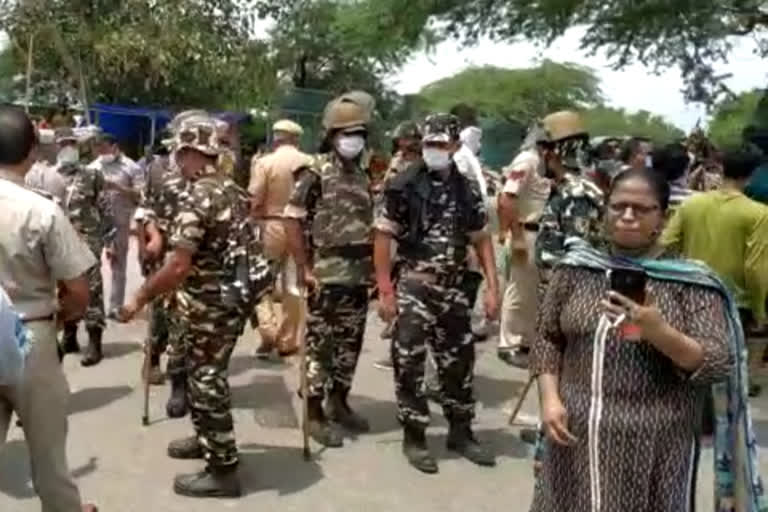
x=637, y=209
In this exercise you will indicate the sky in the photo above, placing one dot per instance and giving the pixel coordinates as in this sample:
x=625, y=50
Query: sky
x=633, y=88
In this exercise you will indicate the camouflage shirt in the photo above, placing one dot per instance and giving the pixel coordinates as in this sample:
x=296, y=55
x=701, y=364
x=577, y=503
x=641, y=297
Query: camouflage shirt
x=442, y=240
x=575, y=208
x=202, y=228
x=87, y=205
x=336, y=207
x=164, y=192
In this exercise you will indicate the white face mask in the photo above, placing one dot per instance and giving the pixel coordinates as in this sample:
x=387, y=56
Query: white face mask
x=68, y=155
x=436, y=159
x=108, y=159
x=350, y=146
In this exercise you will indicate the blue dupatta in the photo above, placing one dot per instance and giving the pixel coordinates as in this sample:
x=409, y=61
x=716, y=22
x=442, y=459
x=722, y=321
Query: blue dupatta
x=736, y=459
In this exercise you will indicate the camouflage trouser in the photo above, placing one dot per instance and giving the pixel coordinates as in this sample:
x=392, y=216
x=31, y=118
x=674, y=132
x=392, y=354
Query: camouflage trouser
x=208, y=393
x=438, y=317
x=94, y=315
x=166, y=334
x=335, y=329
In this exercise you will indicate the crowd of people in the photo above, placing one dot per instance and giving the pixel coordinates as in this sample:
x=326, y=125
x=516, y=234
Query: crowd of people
x=628, y=278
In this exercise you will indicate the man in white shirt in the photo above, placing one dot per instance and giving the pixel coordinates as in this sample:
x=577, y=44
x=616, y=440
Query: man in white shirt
x=125, y=180
x=39, y=251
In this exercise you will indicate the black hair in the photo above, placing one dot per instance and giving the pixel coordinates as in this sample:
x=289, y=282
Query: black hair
x=467, y=115
x=17, y=136
x=739, y=164
x=671, y=161
x=631, y=147
x=658, y=185
x=107, y=138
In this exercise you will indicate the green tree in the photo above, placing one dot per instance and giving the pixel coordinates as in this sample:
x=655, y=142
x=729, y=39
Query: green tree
x=516, y=94
x=190, y=52
x=693, y=35
x=732, y=116
x=603, y=121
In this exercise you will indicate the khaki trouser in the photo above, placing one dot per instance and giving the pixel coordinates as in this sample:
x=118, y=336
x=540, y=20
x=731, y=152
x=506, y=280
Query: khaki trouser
x=41, y=402
x=279, y=327
x=520, y=302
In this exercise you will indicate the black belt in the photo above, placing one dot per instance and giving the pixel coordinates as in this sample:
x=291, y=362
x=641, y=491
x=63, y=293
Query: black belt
x=347, y=251
x=47, y=318
x=531, y=226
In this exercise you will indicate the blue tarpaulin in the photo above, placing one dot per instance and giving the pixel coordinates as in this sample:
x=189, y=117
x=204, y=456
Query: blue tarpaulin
x=130, y=125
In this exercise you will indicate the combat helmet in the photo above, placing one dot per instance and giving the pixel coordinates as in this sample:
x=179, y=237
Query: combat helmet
x=564, y=125
x=441, y=128
x=350, y=110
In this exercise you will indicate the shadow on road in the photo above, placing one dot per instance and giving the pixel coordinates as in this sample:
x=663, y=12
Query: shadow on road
x=504, y=443
x=270, y=399
x=15, y=479
x=116, y=350
x=495, y=392
x=276, y=468
x=96, y=398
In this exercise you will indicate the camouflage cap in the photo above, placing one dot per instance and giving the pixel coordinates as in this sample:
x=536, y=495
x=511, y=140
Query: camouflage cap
x=199, y=134
x=407, y=130
x=175, y=123
x=441, y=128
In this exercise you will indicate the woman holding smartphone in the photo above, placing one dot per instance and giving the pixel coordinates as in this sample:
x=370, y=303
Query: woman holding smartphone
x=621, y=371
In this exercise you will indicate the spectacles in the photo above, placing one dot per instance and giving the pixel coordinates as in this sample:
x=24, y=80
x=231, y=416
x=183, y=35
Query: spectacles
x=637, y=209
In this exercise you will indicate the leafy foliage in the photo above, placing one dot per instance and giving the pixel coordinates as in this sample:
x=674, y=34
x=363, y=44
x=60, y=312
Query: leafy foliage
x=618, y=122
x=193, y=52
x=691, y=34
x=732, y=116
x=516, y=94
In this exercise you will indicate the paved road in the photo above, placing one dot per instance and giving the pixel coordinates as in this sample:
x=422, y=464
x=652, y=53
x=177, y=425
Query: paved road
x=123, y=467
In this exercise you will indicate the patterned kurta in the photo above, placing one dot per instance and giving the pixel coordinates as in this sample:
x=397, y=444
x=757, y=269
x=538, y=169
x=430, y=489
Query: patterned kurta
x=633, y=411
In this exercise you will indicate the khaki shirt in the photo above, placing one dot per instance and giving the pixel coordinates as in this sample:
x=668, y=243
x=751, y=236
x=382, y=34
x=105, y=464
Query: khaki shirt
x=47, y=178
x=38, y=246
x=522, y=179
x=272, y=181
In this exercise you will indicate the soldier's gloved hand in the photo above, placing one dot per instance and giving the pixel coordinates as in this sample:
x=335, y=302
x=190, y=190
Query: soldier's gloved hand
x=387, y=306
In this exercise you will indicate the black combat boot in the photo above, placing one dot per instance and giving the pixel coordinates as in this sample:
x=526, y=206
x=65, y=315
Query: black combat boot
x=69, y=343
x=462, y=441
x=416, y=451
x=93, y=354
x=321, y=430
x=214, y=482
x=185, y=449
x=338, y=410
x=177, y=403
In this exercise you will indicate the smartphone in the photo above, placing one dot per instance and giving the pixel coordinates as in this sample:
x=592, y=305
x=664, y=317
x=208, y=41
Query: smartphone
x=630, y=282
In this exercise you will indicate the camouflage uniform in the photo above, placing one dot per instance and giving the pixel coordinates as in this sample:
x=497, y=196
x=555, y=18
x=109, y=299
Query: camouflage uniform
x=575, y=208
x=211, y=328
x=432, y=299
x=166, y=190
x=337, y=208
x=87, y=205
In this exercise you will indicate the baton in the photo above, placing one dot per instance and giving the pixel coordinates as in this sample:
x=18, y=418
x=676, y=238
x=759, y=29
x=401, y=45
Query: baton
x=303, y=381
